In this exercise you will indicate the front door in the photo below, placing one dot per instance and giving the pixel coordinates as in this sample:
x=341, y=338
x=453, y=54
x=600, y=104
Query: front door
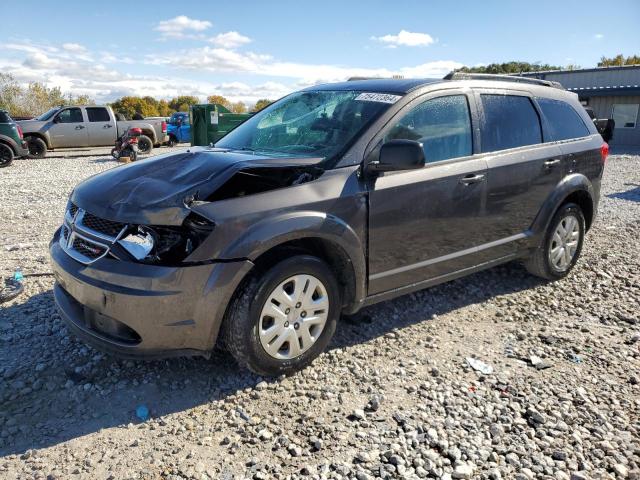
x=68, y=129
x=101, y=127
x=426, y=223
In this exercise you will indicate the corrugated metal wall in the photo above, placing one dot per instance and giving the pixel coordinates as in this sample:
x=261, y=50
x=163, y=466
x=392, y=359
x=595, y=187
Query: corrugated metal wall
x=603, y=108
x=598, y=78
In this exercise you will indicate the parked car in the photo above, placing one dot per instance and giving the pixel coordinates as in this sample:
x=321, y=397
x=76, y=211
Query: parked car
x=605, y=126
x=331, y=199
x=12, y=145
x=90, y=126
x=179, y=128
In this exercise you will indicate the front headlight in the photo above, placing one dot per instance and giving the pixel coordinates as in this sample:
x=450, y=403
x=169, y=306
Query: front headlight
x=162, y=245
x=139, y=244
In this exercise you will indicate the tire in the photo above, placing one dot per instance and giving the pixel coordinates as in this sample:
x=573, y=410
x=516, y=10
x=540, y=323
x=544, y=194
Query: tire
x=37, y=147
x=173, y=141
x=115, y=154
x=541, y=263
x=145, y=145
x=6, y=155
x=246, y=319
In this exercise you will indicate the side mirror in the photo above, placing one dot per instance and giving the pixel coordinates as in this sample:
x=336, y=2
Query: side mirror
x=398, y=155
x=56, y=119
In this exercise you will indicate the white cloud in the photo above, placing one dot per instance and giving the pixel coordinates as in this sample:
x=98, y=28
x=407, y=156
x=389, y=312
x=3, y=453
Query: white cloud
x=221, y=60
x=73, y=47
x=407, y=39
x=230, y=40
x=598, y=36
x=103, y=75
x=178, y=27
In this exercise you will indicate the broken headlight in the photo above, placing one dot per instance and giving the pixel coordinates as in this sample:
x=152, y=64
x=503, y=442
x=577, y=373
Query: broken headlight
x=163, y=245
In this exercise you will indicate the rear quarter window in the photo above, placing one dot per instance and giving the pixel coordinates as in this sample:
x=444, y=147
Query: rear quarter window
x=564, y=121
x=510, y=121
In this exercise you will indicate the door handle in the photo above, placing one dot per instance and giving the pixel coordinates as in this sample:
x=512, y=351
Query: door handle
x=551, y=163
x=79, y=127
x=107, y=126
x=471, y=178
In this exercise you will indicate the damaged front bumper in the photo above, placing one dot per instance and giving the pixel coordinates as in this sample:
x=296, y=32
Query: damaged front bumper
x=138, y=310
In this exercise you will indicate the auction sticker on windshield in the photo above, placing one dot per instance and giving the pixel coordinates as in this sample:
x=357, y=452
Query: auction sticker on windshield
x=378, y=97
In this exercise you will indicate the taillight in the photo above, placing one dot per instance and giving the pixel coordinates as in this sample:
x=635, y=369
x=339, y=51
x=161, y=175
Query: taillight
x=604, y=152
x=164, y=127
x=19, y=131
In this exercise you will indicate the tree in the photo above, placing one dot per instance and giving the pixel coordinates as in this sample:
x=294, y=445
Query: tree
x=220, y=100
x=619, y=60
x=238, y=107
x=262, y=103
x=130, y=106
x=182, y=103
x=510, y=67
x=35, y=98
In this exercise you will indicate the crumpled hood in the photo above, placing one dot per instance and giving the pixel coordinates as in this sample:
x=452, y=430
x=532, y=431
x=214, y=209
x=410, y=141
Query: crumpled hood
x=156, y=191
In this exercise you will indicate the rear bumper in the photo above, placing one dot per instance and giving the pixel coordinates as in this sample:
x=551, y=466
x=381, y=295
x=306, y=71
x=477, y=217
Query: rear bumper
x=22, y=149
x=136, y=310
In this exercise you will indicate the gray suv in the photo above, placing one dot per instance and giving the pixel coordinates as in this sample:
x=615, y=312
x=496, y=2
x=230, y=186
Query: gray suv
x=331, y=199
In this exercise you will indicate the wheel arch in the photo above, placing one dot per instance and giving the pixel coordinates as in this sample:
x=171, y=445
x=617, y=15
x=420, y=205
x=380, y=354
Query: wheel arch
x=318, y=234
x=9, y=142
x=39, y=135
x=574, y=188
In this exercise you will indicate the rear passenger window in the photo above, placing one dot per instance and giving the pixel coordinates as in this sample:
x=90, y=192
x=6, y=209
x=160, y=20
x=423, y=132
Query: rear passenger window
x=442, y=125
x=98, y=115
x=509, y=121
x=564, y=120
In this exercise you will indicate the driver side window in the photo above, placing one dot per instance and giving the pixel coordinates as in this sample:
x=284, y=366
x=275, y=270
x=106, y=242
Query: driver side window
x=442, y=125
x=70, y=115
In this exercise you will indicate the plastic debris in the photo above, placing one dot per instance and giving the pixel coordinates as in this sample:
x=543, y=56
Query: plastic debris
x=142, y=412
x=17, y=275
x=479, y=366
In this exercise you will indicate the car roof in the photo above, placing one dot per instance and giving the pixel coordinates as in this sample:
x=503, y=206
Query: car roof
x=399, y=86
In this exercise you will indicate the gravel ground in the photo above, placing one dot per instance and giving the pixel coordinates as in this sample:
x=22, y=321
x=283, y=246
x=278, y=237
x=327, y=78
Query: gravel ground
x=393, y=397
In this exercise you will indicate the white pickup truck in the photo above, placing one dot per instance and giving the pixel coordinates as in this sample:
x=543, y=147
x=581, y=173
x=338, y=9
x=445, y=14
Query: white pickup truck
x=86, y=126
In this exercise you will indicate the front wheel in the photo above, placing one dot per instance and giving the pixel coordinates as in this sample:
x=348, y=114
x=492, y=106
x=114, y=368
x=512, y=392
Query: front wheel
x=562, y=244
x=6, y=155
x=281, y=320
x=145, y=145
x=37, y=147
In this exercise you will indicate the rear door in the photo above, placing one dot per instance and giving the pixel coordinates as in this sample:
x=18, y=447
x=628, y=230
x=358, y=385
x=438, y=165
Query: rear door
x=523, y=169
x=69, y=129
x=101, y=127
x=425, y=223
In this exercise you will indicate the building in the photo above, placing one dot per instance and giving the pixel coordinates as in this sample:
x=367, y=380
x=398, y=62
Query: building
x=612, y=92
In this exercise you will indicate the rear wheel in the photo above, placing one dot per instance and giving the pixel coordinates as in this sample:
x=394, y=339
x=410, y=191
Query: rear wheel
x=562, y=244
x=281, y=320
x=37, y=147
x=6, y=155
x=145, y=145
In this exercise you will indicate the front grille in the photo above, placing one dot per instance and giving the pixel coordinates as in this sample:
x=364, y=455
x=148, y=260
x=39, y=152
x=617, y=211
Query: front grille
x=101, y=225
x=86, y=237
x=88, y=249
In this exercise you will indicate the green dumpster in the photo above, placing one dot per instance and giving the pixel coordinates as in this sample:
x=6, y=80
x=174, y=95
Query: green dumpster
x=211, y=121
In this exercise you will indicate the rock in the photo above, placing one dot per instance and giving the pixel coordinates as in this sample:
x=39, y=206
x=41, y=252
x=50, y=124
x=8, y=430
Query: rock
x=462, y=470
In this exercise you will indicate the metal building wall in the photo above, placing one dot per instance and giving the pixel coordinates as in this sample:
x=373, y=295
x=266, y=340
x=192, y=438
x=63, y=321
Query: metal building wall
x=603, y=108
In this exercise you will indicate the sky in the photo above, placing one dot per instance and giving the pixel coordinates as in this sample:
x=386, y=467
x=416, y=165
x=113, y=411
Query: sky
x=247, y=50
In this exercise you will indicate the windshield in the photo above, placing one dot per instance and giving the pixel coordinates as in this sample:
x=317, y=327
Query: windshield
x=48, y=114
x=320, y=123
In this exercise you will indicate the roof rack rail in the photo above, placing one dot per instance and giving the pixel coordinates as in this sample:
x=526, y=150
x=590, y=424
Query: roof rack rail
x=501, y=78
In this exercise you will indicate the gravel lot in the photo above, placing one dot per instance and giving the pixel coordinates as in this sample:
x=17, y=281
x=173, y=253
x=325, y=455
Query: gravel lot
x=392, y=398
